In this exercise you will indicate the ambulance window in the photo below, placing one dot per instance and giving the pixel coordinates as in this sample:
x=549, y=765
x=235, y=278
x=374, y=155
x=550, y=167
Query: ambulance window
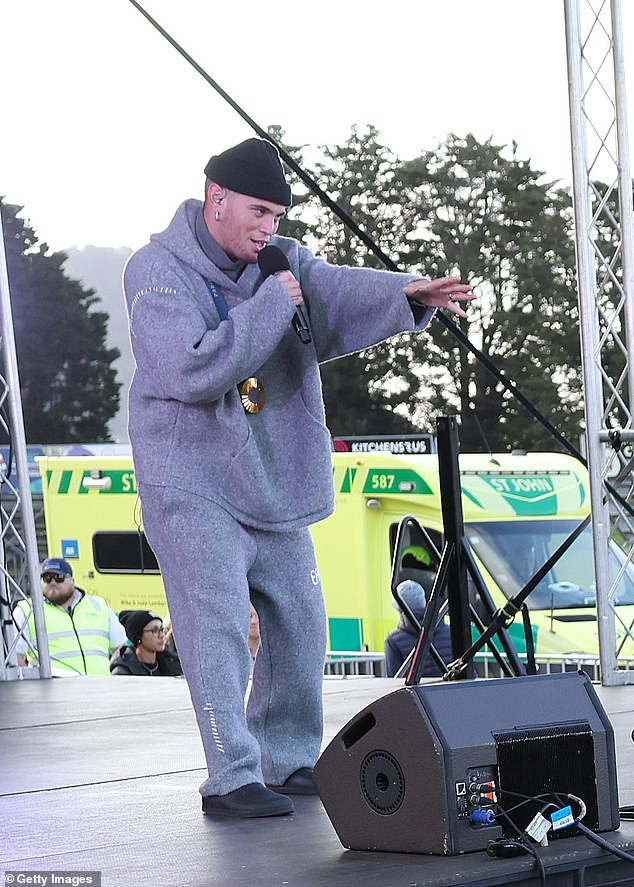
x=414, y=539
x=513, y=552
x=123, y=552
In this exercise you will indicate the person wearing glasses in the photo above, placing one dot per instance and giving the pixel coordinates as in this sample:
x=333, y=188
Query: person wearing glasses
x=147, y=656
x=82, y=629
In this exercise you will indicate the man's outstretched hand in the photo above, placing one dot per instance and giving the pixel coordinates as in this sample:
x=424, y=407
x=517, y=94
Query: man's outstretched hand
x=444, y=292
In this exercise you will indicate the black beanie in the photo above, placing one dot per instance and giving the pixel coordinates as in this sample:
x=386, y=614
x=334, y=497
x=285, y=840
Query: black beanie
x=254, y=168
x=134, y=621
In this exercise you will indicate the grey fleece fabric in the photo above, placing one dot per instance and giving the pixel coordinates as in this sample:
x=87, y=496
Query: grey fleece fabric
x=208, y=590
x=227, y=496
x=187, y=426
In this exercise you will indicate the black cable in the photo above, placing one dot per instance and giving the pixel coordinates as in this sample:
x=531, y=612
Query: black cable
x=501, y=848
x=542, y=798
x=505, y=814
x=538, y=860
x=605, y=845
x=527, y=800
x=497, y=847
x=540, y=864
x=508, y=384
x=592, y=836
x=81, y=649
x=587, y=832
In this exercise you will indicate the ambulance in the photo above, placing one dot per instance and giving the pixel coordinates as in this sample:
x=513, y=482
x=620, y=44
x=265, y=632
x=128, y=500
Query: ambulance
x=518, y=509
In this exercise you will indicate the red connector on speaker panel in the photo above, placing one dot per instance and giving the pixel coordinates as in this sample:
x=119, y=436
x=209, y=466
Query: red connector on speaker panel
x=483, y=792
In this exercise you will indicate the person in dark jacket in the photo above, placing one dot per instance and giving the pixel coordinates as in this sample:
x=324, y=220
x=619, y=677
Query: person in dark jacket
x=147, y=656
x=400, y=642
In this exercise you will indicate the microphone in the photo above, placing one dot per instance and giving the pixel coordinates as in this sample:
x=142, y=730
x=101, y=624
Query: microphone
x=271, y=259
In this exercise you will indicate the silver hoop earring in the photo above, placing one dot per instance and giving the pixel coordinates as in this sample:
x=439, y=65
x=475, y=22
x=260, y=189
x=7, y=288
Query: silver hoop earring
x=217, y=215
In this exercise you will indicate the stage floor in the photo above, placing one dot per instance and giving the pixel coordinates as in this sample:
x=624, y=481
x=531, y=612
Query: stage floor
x=102, y=775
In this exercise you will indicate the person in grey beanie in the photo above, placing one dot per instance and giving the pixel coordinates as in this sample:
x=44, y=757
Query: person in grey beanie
x=232, y=459
x=401, y=641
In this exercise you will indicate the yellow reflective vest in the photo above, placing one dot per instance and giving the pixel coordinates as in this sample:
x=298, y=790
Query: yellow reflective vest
x=78, y=642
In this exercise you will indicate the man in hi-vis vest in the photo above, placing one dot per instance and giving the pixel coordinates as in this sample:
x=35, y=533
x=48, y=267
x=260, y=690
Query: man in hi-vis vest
x=82, y=629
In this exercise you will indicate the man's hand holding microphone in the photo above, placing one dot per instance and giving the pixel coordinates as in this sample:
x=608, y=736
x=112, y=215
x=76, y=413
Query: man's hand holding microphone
x=271, y=260
x=443, y=292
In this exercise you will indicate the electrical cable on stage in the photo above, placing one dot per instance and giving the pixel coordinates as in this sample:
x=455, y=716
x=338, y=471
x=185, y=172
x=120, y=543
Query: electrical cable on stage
x=605, y=845
x=509, y=846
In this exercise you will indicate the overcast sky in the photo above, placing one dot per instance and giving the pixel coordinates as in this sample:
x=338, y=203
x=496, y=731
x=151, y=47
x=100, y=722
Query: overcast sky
x=106, y=128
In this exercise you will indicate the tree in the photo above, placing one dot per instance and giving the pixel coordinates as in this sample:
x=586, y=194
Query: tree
x=490, y=219
x=465, y=208
x=365, y=393
x=476, y=210
x=69, y=390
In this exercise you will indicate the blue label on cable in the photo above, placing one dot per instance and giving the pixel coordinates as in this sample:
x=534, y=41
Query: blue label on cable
x=562, y=818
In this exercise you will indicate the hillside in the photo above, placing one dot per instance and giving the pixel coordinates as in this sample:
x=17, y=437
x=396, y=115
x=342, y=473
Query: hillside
x=101, y=268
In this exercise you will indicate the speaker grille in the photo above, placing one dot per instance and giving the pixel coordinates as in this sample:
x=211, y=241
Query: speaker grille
x=539, y=760
x=382, y=782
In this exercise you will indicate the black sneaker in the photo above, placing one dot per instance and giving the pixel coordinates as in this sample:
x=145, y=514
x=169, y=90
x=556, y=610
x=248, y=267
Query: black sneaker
x=298, y=783
x=248, y=802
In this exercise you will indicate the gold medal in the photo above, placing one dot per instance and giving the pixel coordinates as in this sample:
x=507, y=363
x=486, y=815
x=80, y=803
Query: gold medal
x=252, y=395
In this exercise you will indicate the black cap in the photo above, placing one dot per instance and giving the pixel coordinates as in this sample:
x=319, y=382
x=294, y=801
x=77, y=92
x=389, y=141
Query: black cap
x=134, y=621
x=254, y=168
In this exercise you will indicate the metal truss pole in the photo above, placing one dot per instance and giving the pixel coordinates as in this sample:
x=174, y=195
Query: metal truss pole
x=624, y=185
x=603, y=235
x=23, y=536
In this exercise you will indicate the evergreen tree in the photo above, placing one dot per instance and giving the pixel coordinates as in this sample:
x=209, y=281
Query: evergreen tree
x=365, y=393
x=469, y=209
x=293, y=224
x=69, y=391
x=490, y=219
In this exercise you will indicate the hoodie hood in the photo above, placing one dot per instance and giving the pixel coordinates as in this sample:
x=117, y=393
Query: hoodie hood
x=180, y=239
x=187, y=424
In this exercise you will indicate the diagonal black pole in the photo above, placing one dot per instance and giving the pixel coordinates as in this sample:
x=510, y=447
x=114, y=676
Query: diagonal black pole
x=286, y=157
x=341, y=214
x=506, y=614
x=508, y=384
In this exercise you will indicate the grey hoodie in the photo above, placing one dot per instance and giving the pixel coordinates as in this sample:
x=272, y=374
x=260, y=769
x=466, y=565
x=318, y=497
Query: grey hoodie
x=270, y=470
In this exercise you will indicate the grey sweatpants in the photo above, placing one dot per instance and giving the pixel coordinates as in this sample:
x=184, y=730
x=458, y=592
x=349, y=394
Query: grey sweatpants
x=211, y=565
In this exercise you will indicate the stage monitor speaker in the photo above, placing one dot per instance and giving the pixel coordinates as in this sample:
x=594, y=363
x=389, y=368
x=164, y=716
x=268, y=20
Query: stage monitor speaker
x=422, y=769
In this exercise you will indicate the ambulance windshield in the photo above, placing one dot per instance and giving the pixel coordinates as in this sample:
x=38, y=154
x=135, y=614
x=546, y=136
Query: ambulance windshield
x=513, y=552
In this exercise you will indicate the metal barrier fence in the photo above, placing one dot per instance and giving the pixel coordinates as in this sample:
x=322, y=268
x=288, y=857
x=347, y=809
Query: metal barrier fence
x=343, y=664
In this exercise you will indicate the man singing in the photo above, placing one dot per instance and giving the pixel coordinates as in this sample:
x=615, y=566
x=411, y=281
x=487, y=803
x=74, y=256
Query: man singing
x=232, y=458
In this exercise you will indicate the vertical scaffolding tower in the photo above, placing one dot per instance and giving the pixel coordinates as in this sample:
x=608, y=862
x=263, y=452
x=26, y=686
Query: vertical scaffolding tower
x=17, y=524
x=602, y=188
